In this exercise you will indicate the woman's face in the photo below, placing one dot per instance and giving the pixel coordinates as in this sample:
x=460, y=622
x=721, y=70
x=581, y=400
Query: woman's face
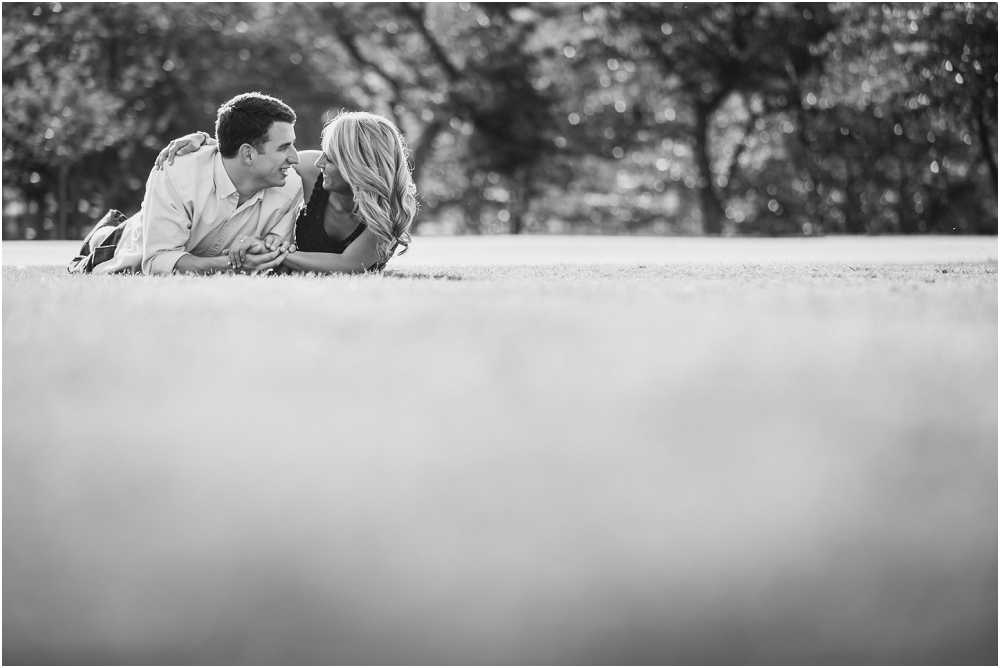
x=333, y=180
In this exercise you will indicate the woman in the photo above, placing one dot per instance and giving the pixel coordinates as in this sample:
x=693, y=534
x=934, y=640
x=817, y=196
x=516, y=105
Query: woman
x=360, y=199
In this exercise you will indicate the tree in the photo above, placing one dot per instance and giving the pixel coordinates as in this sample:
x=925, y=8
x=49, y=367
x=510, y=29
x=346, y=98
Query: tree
x=894, y=124
x=616, y=118
x=93, y=91
x=708, y=53
x=476, y=93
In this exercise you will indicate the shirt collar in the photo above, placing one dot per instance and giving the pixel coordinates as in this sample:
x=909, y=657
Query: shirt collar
x=223, y=184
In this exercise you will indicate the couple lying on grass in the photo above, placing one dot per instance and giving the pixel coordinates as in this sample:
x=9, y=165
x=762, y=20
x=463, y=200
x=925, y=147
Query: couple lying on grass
x=235, y=204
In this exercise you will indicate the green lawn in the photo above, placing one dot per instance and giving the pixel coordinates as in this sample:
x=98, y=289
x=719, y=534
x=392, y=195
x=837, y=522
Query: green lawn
x=558, y=464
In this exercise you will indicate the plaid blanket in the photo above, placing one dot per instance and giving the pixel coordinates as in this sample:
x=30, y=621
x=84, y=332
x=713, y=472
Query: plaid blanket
x=92, y=255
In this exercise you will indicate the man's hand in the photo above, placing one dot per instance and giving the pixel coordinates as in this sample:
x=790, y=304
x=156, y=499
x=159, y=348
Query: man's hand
x=243, y=245
x=182, y=146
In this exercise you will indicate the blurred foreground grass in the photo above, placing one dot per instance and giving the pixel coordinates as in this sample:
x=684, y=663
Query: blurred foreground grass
x=777, y=464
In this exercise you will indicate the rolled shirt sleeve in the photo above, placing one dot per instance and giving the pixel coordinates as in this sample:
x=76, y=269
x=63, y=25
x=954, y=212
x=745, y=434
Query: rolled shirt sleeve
x=166, y=224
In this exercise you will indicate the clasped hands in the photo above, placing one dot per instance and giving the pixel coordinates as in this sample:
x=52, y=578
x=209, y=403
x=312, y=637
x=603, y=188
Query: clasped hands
x=248, y=255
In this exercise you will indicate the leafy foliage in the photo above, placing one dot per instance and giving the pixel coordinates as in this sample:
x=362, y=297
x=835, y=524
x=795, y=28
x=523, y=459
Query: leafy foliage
x=616, y=118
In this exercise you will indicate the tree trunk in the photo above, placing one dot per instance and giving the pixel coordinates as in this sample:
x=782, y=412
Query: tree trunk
x=801, y=122
x=988, y=152
x=514, y=227
x=472, y=209
x=522, y=202
x=420, y=153
x=60, y=232
x=712, y=213
x=424, y=148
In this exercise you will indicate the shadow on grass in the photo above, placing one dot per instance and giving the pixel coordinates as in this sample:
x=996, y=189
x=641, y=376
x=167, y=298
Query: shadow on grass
x=438, y=276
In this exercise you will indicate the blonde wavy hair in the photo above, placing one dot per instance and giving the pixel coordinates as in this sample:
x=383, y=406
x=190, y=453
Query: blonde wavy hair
x=372, y=157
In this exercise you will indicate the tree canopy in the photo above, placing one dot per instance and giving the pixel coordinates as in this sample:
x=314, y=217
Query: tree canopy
x=621, y=118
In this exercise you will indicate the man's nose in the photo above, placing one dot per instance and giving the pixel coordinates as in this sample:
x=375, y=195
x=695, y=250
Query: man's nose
x=295, y=157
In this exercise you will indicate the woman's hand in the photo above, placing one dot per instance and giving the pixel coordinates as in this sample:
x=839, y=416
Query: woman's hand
x=181, y=146
x=275, y=242
x=258, y=262
x=243, y=245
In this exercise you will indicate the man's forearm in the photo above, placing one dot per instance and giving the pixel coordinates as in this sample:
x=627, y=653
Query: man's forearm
x=191, y=264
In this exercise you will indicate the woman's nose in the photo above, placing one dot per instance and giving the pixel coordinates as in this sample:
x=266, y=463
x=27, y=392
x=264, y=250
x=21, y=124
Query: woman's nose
x=320, y=160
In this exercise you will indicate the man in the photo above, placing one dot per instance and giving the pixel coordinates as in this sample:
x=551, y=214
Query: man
x=206, y=202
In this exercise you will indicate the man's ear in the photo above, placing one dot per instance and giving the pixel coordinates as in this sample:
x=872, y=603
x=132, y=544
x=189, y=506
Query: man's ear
x=246, y=154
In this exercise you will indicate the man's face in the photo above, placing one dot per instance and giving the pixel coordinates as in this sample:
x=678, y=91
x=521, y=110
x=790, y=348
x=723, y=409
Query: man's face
x=270, y=166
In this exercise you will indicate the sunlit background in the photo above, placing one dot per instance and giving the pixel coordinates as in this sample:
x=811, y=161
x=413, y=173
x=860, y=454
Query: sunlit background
x=753, y=119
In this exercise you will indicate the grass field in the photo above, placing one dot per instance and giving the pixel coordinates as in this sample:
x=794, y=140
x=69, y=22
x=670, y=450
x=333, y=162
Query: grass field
x=761, y=463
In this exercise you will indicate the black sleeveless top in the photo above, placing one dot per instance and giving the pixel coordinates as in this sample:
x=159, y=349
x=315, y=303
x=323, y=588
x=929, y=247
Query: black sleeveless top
x=311, y=236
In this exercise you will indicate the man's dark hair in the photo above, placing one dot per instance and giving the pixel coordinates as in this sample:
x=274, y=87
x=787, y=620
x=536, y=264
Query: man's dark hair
x=246, y=119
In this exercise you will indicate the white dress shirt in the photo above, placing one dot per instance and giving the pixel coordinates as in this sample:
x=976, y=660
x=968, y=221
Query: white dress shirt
x=190, y=207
